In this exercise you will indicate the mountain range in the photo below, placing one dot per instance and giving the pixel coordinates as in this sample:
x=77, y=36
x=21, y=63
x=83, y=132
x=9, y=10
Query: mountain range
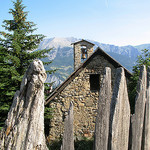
x=62, y=56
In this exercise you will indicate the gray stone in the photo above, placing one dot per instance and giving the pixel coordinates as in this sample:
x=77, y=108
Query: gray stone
x=119, y=114
x=89, y=102
x=138, y=117
x=147, y=115
x=24, y=127
x=68, y=138
x=78, y=52
x=102, y=119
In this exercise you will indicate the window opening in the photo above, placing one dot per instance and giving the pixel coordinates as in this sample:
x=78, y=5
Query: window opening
x=83, y=53
x=94, y=82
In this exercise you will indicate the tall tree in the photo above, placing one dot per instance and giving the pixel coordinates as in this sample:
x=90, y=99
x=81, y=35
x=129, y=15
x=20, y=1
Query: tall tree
x=143, y=59
x=8, y=75
x=17, y=45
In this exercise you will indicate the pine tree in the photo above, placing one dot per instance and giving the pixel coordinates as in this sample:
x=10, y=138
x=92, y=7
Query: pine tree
x=7, y=78
x=17, y=50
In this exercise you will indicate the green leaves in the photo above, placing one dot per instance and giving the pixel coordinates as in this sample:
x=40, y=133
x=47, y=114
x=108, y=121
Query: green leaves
x=143, y=59
x=48, y=112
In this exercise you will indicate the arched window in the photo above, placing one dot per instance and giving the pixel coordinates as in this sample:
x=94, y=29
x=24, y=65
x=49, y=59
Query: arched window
x=83, y=53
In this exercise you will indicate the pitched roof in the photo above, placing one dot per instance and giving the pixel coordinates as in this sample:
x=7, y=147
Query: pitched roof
x=98, y=51
x=83, y=41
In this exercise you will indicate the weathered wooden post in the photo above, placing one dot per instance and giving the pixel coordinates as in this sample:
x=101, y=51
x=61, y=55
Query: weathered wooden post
x=24, y=127
x=119, y=114
x=146, y=143
x=138, y=117
x=103, y=112
x=68, y=137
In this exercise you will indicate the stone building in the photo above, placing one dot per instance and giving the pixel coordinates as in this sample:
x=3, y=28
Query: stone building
x=82, y=88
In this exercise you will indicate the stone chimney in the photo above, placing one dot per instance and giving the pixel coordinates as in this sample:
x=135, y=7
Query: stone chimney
x=82, y=50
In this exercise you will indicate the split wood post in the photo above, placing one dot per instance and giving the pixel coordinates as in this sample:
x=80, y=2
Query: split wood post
x=68, y=137
x=119, y=114
x=146, y=137
x=103, y=113
x=138, y=117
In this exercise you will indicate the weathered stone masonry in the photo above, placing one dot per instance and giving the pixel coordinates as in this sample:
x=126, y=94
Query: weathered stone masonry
x=84, y=100
x=77, y=52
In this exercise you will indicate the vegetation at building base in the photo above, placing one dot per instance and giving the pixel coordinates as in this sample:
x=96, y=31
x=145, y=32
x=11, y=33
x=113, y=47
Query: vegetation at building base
x=143, y=59
x=82, y=144
x=17, y=45
x=48, y=114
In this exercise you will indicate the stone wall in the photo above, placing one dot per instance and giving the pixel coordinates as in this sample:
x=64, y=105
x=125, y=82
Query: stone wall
x=77, y=52
x=84, y=101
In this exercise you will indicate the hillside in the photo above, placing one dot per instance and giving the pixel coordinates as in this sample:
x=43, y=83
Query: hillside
x=143, y=46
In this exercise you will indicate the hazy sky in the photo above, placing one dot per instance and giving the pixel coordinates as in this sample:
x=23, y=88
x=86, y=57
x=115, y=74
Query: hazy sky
x=119, y=22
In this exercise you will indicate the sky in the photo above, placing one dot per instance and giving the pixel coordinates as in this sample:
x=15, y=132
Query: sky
x=117, y=22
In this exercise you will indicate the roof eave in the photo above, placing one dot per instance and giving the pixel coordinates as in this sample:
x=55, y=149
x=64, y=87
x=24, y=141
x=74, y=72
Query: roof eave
x=82, y=41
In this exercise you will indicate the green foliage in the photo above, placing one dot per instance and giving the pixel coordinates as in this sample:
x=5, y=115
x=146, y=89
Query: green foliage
x=48, y=114
x=143, y=59
x=55, y=145
x=17, y=47
x=7, y=71
x=83, y=144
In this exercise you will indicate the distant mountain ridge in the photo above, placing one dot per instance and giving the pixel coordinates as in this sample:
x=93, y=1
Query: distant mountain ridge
x=62, y=55
x=143, y=46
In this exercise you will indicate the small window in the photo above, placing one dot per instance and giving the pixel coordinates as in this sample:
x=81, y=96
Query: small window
x=94, y=82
